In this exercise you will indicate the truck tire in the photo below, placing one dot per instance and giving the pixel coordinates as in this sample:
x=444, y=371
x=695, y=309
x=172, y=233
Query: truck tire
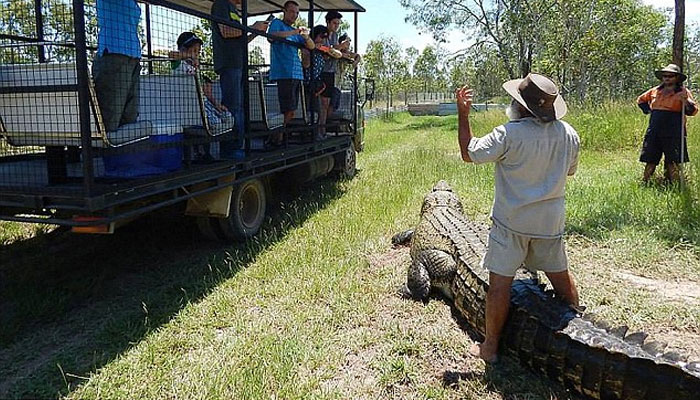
x=247, y=213
x=345, y=162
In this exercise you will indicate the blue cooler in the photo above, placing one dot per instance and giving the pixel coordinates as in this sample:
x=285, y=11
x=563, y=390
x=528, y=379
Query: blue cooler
x=150, y=161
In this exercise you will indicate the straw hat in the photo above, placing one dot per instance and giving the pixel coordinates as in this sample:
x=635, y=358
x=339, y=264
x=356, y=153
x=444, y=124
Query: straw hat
x=539, y=95
x=672, y=68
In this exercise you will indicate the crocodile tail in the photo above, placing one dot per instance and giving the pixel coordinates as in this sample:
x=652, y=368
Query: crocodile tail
x=548, y=336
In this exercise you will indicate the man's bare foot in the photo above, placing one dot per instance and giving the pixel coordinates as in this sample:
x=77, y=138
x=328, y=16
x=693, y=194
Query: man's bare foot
x=486, y=353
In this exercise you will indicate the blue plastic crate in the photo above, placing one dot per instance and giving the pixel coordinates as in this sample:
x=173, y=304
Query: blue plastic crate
x=146, y=162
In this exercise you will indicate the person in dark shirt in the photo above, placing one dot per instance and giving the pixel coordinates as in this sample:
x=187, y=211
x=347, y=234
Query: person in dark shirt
x=666, y=132
x=229, y=53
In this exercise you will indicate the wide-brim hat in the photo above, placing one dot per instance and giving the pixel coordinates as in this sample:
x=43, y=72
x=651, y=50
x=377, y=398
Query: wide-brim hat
x=539, y=95
x=672, y=68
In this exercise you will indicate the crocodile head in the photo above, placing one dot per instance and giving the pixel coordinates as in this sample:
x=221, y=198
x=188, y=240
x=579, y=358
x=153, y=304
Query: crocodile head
x=442, y=195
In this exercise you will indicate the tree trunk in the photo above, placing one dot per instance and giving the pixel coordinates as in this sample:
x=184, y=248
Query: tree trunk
x=679, y=33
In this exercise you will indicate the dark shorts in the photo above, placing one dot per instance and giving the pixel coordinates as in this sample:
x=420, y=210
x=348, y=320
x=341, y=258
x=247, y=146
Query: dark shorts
x=288, y=94
x=669, y=146
x=329, y=79
x=313, y=90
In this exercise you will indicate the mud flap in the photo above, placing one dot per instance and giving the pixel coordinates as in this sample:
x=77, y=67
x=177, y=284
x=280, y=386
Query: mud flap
x=213, y=204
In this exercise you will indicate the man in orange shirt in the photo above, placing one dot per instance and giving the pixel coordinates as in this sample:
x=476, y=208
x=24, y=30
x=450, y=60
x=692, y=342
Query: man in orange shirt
x=666, y=132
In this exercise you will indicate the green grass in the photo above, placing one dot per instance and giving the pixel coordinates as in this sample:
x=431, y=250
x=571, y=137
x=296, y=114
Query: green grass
x=11, y=232
x=302, y=312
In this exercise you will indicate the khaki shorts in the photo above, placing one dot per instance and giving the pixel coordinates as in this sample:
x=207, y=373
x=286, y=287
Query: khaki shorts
x=508, y=251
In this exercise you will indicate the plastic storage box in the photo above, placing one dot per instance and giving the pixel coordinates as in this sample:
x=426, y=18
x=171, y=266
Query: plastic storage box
x=147, y=162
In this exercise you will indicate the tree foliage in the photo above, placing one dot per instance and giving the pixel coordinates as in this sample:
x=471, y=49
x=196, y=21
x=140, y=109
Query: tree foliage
x=385, y=63
x=593, y=48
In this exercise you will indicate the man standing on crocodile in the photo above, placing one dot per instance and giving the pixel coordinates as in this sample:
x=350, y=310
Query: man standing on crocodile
x=534, y=153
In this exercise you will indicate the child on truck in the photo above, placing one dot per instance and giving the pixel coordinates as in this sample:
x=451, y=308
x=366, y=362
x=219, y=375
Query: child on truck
x=186, y=62
x=313, y=62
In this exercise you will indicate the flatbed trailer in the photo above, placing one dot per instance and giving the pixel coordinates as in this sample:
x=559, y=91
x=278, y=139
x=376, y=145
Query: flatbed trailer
x=57, y=162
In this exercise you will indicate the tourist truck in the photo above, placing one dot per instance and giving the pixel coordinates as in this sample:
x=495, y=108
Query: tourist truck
x=60, y=165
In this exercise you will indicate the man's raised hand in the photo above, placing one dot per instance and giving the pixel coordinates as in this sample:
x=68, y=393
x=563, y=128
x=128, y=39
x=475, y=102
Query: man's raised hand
x=465, y=97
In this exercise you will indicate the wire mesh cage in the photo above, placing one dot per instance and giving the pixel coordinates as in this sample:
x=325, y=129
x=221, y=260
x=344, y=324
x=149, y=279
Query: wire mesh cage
x=99, y=95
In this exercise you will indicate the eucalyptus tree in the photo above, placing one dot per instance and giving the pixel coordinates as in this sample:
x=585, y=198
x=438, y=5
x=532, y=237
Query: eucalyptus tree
x=384, y=63
x=692, y=54
x=411, y=55
x=426, y=68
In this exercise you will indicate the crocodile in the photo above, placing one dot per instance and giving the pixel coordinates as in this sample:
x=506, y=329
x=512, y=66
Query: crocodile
x=563, y=343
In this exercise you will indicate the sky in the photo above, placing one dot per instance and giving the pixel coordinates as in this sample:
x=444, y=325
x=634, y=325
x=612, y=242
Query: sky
x=387, y=17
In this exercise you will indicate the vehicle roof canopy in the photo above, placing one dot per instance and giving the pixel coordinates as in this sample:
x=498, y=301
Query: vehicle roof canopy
x=258, y=7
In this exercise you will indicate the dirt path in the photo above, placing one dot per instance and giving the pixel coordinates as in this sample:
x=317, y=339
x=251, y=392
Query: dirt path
x=684, y=292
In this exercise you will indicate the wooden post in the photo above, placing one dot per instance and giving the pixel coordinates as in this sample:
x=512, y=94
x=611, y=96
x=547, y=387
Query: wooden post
x=678, y=36
x=679, y=33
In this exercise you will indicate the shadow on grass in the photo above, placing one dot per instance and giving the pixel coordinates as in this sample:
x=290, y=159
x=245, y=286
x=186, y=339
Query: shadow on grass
x=70, y=304
x=510, y=379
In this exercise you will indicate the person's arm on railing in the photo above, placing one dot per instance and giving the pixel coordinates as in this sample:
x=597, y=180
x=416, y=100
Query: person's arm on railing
x=307, y=39
x=260, y=26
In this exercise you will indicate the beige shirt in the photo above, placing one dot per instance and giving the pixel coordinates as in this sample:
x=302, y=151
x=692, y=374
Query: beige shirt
x=532, y=160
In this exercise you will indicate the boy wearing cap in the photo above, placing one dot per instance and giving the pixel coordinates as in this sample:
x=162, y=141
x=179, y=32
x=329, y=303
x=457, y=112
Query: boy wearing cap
x=666, y=132
x=533, y=153
x=186, y=62
x=186, y=58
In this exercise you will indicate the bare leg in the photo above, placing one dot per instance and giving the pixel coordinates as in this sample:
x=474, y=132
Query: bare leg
x=278, y=138
x=564, y=285
x=648, y=172
x=673, y=172
x=323, y=114
x=497, y=306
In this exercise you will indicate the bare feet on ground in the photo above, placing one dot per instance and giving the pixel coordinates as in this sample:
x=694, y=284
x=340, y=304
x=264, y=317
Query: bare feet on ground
x=486, y=352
